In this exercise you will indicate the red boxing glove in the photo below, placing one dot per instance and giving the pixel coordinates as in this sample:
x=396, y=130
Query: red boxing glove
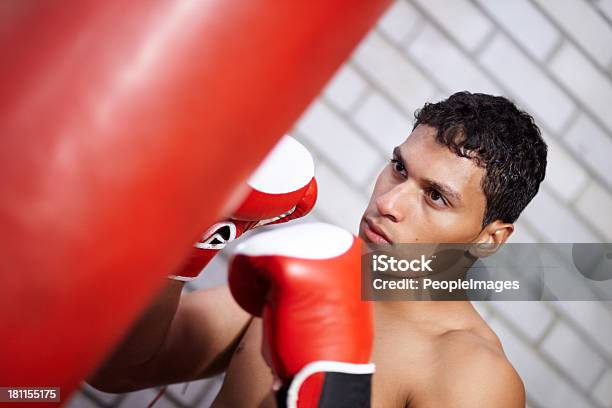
x=305, y=282
x=282, y=188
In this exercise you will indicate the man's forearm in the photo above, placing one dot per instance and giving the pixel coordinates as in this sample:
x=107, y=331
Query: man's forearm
x=179, y=338
x=141, y=343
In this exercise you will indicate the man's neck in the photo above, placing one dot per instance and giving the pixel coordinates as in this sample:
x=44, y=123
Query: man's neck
x=450, y=314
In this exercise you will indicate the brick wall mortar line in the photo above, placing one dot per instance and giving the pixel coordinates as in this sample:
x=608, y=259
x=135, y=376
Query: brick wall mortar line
x=602, y=14
x=597, y=378
x=554, y=51
x=361, y=98
x=413, y=33
x=485, y=41
x=551, y=325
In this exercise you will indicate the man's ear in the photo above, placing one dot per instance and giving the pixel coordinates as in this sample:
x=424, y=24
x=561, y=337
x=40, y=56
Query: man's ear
x=491, y=238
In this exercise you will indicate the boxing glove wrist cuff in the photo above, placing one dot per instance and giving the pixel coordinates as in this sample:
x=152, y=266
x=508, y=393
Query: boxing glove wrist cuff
x=344, y=385
x=204, y=250
x=182, y=278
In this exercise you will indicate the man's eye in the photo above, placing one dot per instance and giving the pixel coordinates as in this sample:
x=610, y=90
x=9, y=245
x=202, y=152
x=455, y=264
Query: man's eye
x=436, y=197
x=398, y=166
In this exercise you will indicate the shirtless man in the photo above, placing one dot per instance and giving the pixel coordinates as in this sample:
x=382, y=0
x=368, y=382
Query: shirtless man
x=464, y=175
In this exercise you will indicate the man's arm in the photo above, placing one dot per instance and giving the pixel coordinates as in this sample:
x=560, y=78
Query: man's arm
x=248, y=380
x=165, y=347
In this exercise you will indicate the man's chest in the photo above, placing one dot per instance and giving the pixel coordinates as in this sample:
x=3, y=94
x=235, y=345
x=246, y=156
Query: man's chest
x=403, y=364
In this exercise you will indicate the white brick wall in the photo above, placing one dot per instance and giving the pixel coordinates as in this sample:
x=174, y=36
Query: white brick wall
x=530, y=318
x=595, y=205
x=592, y=145
x=199, y=392
x=523, y=232
x=399, y=21
x=393, y=73
x=594, y=321
x=460, y=19
x=605, y=7
x=603, y=390
x=332, y=209
x=527, y=83
x=563, y=346
x=555, y=221
x=143, y=398
x=382, y=123
x=214, y=275
x=592, y=88
x=448, y=65
x=80, y=400
x=583, y=24
x=564, y=175
x=524, y=22
x=554, y=58
x=338, y=143
x=102, y=397
x=545, y=386
x=345, y=89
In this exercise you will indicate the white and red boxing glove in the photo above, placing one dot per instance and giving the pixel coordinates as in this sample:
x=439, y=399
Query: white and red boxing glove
x=282, y=188
x=305, y=281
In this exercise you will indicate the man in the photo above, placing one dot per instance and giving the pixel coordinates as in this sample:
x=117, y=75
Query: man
x=464, y=175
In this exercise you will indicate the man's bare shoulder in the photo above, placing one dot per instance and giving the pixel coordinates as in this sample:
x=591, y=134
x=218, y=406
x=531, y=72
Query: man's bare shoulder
x=473, y=370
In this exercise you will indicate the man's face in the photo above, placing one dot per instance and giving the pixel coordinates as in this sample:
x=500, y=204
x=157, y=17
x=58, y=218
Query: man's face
x=426, y=194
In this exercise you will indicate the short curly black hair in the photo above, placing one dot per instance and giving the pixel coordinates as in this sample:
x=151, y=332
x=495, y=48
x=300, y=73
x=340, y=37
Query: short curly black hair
x=497, y=136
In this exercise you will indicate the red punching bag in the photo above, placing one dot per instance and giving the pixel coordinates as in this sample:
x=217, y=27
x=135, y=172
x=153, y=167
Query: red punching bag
x=125, y=129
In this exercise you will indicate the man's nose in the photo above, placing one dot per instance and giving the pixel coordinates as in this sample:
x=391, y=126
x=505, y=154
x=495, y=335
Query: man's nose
x=392, y=203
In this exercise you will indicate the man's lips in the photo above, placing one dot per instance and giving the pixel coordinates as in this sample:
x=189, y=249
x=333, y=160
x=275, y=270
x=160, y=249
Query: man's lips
x=374, y=233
